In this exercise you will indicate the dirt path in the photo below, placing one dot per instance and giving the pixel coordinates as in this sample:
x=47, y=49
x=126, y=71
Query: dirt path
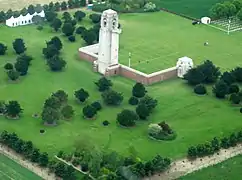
x=184, y=166
x=42, y=172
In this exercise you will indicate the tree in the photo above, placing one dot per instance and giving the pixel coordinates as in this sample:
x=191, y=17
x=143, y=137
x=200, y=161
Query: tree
x=80, y=30
x=34, y=157
x=89, y=37
x=50, y=15
x=2, y=107
x=19, y=46
x=38, y=8
x=63, y=6
x=97, y=105
x=112, y=97
x=13, y=75
x=220, y=89
x=24, y=12
x=66, y=16
x=215, y=144
x=38, y=20
x=154, y=130
x=233, y=88
x=142, y=111
x=51, y=6
x=68, y=29
x=238, y=4
x=53, y=102
x=127, y=118
x=13, y=109
x=2, y=16
x=192, y=152
x=210, y=71
x=133, y=100
x=57, y=6
x=56, y=63
x=230, y=9
x=139, y=90
x=150, y=102
x=234, y=98
x=96, y=18
x=219, y=10
x=50, y=115
x=228, y=77
x=81, y=95
x=200, y=89
x=89, y=111
x=25, y=58
x=72, y=38
x=55, y=41
x=61, y=95
x=67, y=111
x=239, y=15
x=22, y=67
x=43, y=159
x=194, y=76
x=237, y=73
x=103, y=84
x=56, y=24
x=79, y=15
x=3, y=49
x=31, y=9
x=8, y=66
x=50, y=51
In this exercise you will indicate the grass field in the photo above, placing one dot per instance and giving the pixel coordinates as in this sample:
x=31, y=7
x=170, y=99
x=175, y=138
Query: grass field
x=161, y=38
x=227, y=170
x=194, y=118
x=10, y=170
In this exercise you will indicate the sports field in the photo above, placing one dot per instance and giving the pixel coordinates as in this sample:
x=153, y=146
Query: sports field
x=227, y=170
x=10, y=170
x=157, y=40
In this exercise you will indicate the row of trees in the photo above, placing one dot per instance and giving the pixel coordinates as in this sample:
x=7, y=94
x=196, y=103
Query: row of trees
x=56, y=107
x=214, y=145
x=52, y=54
x=227, y=9
x=12, y=109
x=30, y=152
x=18, y=46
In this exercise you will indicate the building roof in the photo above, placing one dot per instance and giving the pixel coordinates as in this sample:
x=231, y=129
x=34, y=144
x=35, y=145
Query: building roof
x=110, y=11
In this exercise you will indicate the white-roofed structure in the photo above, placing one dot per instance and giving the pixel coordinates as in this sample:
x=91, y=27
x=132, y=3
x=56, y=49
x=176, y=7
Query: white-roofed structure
x=23, y=20
x=205, y=20
x=183, y=65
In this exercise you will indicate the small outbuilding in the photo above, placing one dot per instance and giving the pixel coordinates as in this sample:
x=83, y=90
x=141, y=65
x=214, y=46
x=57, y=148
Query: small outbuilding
x=205, y=20
x=183, y=65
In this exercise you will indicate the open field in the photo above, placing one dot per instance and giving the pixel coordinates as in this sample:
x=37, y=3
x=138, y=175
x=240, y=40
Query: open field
x=10, y=170
x=194, y=118
x=229, y=170
x=161, y=38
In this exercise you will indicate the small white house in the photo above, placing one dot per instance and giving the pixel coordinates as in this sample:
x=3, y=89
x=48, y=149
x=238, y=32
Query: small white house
x=23, y=20
x=206, y=20
x=183, y=65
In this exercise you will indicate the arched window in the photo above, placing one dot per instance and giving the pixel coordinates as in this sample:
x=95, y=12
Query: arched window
x=104, y=22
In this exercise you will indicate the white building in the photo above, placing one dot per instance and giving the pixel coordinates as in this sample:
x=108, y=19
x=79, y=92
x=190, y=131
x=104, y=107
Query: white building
x=23, y=20
x=205, y=20
x=183, y=65
x=108, y=41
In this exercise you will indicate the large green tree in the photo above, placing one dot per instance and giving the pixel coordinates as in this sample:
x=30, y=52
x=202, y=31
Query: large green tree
x=55, y=41
x=89, y=111
x=220, y=89
x=138, y=90
x=50, y=115
x=56, y=63
x=111, y=97
x=13, y=109
x=56, y=24
x=68, y=29
x=127, y=118
x=79, y=15
x=81, y=95
x=22, y=67
x=19, y=46
x=3, y=49
x=103, y=84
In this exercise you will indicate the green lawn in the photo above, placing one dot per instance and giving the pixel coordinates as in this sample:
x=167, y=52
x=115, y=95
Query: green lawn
x=192, y=8
x=10, y=170
x=227, y=170
x=161, y=38
x=194, y=118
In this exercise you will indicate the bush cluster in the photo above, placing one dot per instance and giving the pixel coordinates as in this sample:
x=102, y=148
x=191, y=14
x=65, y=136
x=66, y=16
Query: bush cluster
x=161, y=131
x=12, y=109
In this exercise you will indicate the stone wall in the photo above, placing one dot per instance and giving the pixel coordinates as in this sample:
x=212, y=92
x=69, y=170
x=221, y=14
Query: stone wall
x=89, y=53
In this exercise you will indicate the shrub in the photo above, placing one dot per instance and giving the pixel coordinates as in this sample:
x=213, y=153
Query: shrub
x=142, y=111
x=2, y=107
x=234, y=98
x=106, y=123
x=103, y=84
x=13, y=75
x=150, y=102
x=76, y=162
x=80, y=30
x=138, y=90
x=81, y=95
x=150, y=7
x=200, y=89
x=194, y=76
x=112, y=97
x=228, y=77
x=220, y=89
x=96, y=18
x=97, y=105
x=89, y=111
x=237, y=73
x=61, y=95
x=56, y=63
x=67, y=112
x=133, y=100
x=8, y=66
x=40, y=27
x=3, y=49
x=72, y=38
x=60, y=154
x=13, y=109
x=127, y=118
x=154, y=129
x=84, y=167
x=233, y=88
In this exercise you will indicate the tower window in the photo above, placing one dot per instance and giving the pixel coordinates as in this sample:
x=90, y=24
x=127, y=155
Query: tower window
x=104, y=22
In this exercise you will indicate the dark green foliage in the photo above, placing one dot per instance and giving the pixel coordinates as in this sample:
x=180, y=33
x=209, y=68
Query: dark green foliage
x=133, y=100
x=13, y=74
x=60, y=154
x=235, y=98
x=237, y=73
x=53, y=102
x=79, y=15
x=66, y=16
x=9, y=14
x=192, y=152
x=81, y=95
x=89, y=37
x=50, y=15
x=228, y=77
x=84, y=167
x=103, y=84
x=233, y=88
x=24, y=11
x=31, y=9
x=38, y=8
x=68, y=29
x=138, y=90
x=61, y=95
x=40, y=27
x=37, y=20
x=72, y=38
x=2, y=16
x=3, y=49
x=225, y=143
x=215, y=144
x=63, y=5
x=96, y=18
x=19, y=45
x=67, y=112
x=22, y=67
x=57, y=6
x=13, y=109
x=80, y=30
x=55, y=41
x=2, y=107
x=56, y=63
x=200, y=89
x=56, y=24
x=194, y=76
x=111, y=97
x=149, y=102
x=220, y=89
x=43, y=159
x=142, y=111
x=89, y=111
x=25, y=58
x=106, y=123
x=50, y=115
x=50, y=51
x=97, y=105
x=127, y=118
x=8, y=66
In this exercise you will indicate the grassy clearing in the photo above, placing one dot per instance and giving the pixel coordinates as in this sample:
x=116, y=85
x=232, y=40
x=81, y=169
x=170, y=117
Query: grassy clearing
x=11, y=170
x=229, y=170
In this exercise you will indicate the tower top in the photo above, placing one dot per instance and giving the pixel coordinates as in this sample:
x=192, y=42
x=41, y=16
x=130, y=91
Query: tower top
x=109, y=12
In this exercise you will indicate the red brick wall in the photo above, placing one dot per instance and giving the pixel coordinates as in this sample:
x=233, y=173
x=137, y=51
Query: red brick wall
x=163, y=76
x=87, y=57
